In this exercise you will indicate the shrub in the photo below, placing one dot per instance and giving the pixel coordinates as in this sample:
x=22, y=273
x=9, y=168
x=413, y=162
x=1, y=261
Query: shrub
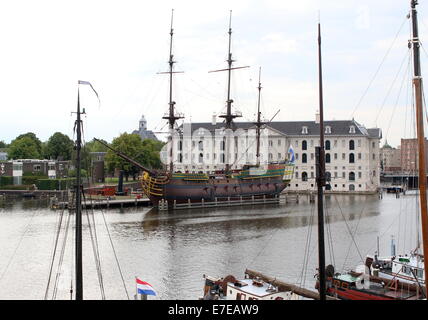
x=5, y=180
x=32, y=179
x=55, y=184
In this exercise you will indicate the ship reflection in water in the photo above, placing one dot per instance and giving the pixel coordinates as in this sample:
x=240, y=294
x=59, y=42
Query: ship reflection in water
x=172, y=250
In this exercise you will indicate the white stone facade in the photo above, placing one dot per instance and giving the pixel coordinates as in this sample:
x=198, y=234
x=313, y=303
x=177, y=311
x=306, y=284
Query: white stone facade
x=352, y=152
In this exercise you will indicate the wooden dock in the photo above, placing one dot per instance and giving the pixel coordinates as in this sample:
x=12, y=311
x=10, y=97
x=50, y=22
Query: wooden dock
x=229, y=202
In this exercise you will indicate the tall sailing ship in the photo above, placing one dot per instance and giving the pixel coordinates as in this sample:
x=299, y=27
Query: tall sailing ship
x=249, y=182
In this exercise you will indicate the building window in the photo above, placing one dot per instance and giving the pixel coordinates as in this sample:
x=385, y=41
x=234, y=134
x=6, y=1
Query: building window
x=335, y=156
x=312, y=143
x=373, y=145
x=297, y=175
x=270, y=143
x=37, y=167
x=360, y=175
x=327, y=145
x=351, y=158
x=351, y=145
x=304, y=130
x=304, y=158
x=359, y=143
x=327, y=158
x=304, y=145
x=270, y=156
x=343, y=156
x=335, y=174
x=304, y=176
x=312, y=156
x=374, y=156
x=351, y=176
x=351, y=129
x=343, y=175
x=297, y=156
x=279, y=142
x=374, y=173
x=279, y=156
x=327, y=129
x=359, y=156
x=297, y=143
x=335, y=143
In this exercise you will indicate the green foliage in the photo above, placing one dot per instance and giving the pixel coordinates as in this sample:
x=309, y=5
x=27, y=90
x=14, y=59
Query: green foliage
x=5, y=180
x=33, y=137
x=83, y=173
x=55, y=184
x=3, y=144
x=29, y=180
x=24, y=148
x=59, y=146
x=95, y=146
x=145, y=152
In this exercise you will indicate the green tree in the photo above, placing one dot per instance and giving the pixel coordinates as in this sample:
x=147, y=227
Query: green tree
x=59, y=146
x=95, y=146
x=145, y=152
x=3, y=144
x=33, y=137
x=24, y=148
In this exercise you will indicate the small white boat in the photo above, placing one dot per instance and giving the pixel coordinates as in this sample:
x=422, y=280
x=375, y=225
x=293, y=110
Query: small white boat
x=229, y=288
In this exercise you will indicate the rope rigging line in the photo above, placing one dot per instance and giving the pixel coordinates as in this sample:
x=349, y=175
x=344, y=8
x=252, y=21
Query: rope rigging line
x=95, y=248
x=61, y=257
x=56, y=238
x=391, y=87
x=93, y=233
x=302, y=280
x=405, y=80
x=329, y=233
x=347, y=226
x=115, y=255
x=378, y=69
x=354, y=233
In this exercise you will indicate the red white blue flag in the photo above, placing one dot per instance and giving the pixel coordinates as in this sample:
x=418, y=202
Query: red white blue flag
x=145, y=288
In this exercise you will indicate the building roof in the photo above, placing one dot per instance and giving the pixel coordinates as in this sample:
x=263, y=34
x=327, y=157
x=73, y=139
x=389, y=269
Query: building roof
x=294, y=128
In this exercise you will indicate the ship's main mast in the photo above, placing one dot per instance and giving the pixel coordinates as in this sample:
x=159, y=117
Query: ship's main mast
x=229, y=116
x=171, y=117
x=417, y=83
x=259, y=123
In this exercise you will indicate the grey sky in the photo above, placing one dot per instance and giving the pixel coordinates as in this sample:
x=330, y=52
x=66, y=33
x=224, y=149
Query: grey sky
x=119, y=46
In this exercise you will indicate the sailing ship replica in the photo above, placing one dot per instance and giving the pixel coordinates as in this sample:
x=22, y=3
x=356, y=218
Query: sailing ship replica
x=249, y=183
x=394, y=277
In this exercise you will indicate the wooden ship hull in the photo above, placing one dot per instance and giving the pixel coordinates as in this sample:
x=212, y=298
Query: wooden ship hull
x=195, y=188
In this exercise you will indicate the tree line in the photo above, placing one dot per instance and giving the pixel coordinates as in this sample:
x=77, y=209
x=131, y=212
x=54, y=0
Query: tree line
x=59, y=146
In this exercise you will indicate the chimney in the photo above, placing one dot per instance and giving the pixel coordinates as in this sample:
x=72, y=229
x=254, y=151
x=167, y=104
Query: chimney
x=317, y=117
x=214, y=121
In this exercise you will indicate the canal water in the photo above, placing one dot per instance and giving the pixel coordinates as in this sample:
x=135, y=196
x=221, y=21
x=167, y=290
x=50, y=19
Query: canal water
x=173, y=250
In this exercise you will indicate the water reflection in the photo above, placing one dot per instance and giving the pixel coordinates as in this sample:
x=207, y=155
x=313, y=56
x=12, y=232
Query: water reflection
x=172, y=250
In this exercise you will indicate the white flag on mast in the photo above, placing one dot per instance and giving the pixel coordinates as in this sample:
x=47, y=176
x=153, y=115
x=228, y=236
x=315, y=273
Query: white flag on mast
x=88, y=83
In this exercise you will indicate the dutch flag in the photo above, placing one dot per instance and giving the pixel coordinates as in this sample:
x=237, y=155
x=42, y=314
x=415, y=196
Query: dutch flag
x=144, y=288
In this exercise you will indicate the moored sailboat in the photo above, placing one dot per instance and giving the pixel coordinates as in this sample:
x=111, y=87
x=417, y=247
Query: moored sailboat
x=399, y=277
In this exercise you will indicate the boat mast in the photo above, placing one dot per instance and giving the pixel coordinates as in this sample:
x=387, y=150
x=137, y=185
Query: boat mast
x=320, y=178
x=78, y=258
x=258, y=123
x=229, y=116
x=417, y=83
x=172, y=117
